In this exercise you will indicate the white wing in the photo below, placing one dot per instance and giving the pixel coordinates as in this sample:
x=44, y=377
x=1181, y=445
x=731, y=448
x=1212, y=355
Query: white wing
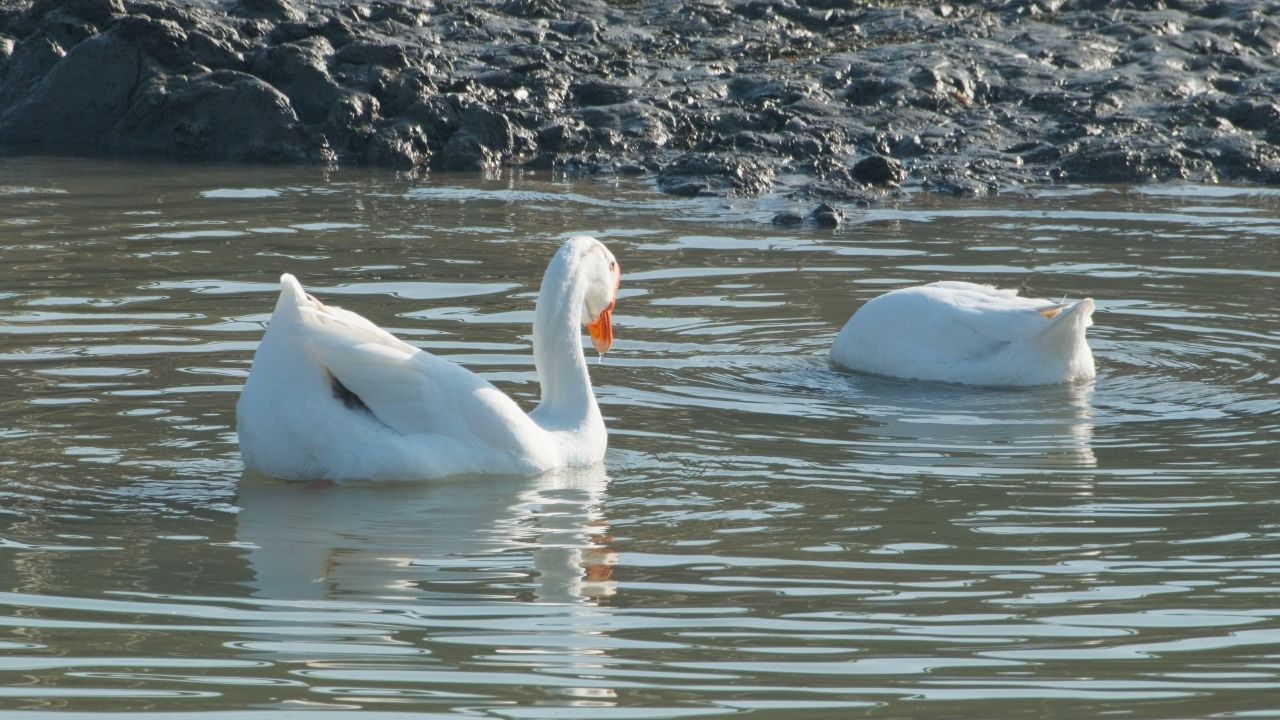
x=406, y=388
x=996, y=316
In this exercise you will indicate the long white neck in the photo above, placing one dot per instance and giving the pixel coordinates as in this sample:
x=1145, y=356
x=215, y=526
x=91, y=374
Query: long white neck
x=567, y=401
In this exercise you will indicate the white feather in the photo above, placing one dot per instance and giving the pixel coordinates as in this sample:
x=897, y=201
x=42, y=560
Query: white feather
x=417, y=415
x=967, y=333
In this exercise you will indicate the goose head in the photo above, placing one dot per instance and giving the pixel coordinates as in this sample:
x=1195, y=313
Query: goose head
x=601, y=276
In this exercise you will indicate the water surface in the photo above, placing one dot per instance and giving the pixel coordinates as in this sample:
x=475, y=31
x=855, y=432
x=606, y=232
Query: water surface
x=767, y=537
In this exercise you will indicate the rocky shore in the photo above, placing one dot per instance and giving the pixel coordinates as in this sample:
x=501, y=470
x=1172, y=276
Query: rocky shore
x=832, y=101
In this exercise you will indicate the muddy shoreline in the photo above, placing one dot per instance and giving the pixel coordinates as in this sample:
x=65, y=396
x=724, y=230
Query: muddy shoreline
x=824, y=101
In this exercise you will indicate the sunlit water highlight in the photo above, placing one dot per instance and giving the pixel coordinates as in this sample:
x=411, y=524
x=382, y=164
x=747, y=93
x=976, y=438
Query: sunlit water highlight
x=767, y=536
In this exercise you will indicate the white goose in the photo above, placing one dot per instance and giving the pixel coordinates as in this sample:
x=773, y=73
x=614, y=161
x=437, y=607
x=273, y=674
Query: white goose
x=965, y=333
x=333, y=396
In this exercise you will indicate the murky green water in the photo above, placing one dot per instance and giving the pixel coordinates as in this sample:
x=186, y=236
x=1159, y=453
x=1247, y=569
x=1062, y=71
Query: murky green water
x=768, y=537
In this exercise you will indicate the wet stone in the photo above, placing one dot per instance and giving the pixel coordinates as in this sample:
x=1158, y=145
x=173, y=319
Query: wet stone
x=595, y=92
x=827, y=216
x=94, y=11
x=847, y=99
x=300, y=71
x=269, y=9
x=683, y=188
x=725, y=173
x=80, y=99
x=788, y=218
x=401, y=146
x=878, y=170
x=217, y=116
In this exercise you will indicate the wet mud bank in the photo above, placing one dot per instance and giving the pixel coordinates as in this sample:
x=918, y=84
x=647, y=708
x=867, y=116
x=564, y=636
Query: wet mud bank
x=828, y=101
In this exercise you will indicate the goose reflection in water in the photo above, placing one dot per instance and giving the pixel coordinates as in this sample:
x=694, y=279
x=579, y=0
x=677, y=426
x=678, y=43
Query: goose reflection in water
x=453, y=539
x=1040, y=428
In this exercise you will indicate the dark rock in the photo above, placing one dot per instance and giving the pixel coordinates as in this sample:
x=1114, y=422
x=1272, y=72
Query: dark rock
x=716, y=97
x=732, y=175
x=372, y=79
x=493, y=129
x=878, y=170
x=282, y=10
x=465, y=153
x=1253, y=113
x=218, y=116
x=828, y=191
x=401, y=14
x=164, y=41
x=595, y=92
x=214, y=52
x=26, y=66
x=827, y=216
x=608, y=140
x=80, y=99
x=402, y=147
x=1239, y=156
x=97, y=12
x=577, y=28
x=437, y=114
x=300, y=71
x=501, y=79
x=874, y=91
x=600, y=118
x=788, y=218
x=384, y=55
x=542, y=161
x=1123, y=161
x=185, y=16
x=562, y=137
x=485, y=140
x=754, y=91
x=403, y=91
x=683, y=188
x=64, y=28
x=961, y=182
x=352, y=111
x=735, y=121
x=339, y=31
x=533, y=8
x=649, y=127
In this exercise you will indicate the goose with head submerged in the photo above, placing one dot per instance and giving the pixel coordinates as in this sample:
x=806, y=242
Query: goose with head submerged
x=331, y=396
x=962, y=332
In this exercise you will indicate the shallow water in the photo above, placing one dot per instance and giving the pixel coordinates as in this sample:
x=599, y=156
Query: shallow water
x=766, y=535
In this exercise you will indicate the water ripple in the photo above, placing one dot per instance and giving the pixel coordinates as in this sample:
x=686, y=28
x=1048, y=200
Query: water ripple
x=768, y=534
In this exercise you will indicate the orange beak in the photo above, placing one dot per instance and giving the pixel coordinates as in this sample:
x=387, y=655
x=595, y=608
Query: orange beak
x=602, y=330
